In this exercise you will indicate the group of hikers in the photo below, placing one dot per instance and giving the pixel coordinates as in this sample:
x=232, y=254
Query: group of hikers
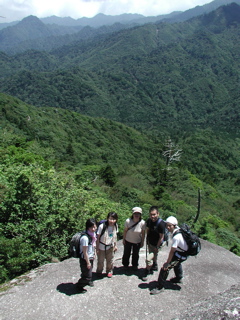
x=103, y=241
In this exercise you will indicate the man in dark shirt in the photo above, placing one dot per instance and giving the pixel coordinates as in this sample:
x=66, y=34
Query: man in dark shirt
x=155, y=239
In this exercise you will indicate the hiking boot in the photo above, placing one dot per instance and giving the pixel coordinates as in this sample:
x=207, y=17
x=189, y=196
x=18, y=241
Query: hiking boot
x=146, y=273
x=176, y=280
x=156, y=290
x=91, y=284
x=154, y=267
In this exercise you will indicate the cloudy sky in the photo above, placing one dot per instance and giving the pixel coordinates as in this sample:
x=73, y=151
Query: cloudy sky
x=12, y=10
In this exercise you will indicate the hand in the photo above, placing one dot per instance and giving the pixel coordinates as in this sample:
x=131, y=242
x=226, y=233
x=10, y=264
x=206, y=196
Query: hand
x=89, y=266
x=115, y=249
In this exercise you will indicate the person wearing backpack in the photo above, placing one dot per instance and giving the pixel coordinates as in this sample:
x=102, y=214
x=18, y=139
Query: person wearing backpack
x=155, y=240
x=177, y=255
x=133, y=238
x=87, y=254
x=107, y=244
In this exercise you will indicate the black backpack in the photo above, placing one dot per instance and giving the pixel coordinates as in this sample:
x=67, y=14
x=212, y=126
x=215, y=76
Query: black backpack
x=104, y=227
x=193, y=241
x=74, y=246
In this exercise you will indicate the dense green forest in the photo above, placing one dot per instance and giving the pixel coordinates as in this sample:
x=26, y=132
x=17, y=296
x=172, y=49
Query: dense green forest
x=59, y=167
x=143, y=116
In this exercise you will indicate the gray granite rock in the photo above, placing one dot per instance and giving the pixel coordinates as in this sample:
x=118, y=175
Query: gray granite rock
x=210, y=290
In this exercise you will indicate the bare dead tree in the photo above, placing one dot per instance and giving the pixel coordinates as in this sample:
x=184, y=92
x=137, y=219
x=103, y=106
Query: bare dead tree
x=172, y=153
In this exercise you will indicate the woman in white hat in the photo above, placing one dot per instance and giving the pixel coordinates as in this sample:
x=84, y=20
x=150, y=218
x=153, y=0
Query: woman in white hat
x=133, y=238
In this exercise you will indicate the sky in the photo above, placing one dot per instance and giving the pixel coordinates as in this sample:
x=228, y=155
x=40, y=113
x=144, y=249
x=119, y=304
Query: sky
x=15, y=10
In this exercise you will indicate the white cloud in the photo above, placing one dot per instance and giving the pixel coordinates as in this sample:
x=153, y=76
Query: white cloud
x=18, y=9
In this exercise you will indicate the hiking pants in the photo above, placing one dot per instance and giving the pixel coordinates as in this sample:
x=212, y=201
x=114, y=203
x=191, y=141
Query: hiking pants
x=108, y=255
x=175, y=264
x=128, y=247
x=152, y=249
x=86, y=274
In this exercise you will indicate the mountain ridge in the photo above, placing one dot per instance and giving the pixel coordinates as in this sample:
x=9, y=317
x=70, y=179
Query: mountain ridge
x=56, y=26
x=184, y=74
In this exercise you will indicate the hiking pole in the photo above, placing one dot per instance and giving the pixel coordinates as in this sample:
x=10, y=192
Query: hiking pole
x=146, y=249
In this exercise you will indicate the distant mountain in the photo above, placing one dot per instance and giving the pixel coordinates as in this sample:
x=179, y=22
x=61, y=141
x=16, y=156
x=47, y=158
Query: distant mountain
x=200, y=10
x=30, y=29
x=182, y=76
x=52, y=32
x=95, y=22
x=32, y=33
x=7, y=24
x=52, y=41
x=102, y=19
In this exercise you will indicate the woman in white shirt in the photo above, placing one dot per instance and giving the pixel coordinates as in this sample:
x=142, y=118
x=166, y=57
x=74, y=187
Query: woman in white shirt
x=133, y=238
x=107, y=244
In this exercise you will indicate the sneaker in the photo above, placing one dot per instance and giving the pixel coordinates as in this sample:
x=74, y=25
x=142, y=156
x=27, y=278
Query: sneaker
x=109, y=275
x=91, y=284
x=176, y=280
x=156, y=290
x=146, y=273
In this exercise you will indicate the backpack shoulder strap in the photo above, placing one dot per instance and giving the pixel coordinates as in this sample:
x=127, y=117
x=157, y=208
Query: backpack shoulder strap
x=84, y=233
x=176, y=232
x=103, y=229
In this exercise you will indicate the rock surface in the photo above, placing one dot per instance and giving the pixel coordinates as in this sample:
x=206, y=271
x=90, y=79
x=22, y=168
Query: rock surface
x=210, y=290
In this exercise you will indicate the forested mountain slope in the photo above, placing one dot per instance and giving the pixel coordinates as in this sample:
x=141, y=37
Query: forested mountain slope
x=69, y=136
x=172, y=76
x=59, y=167
x=177, y=83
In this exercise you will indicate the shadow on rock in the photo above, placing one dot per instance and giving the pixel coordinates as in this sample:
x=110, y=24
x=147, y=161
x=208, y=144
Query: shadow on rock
x=150, y=285
x=128, y=271
x=171, y=286
x=96, y=277
x=69, y=289
x=154, y=284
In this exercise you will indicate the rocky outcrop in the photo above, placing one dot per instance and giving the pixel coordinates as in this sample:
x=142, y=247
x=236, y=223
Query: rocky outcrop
x=223, y=306
x=210, y=290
